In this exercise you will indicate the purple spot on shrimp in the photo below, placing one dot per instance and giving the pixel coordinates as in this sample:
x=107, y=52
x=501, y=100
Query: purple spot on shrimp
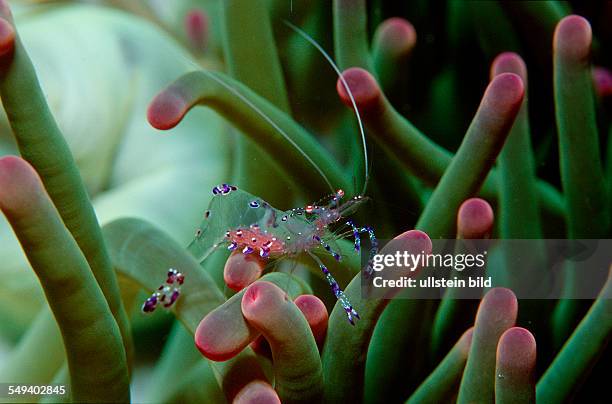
x=172, y=273
x=150, y=304
x=173, y=298
x=247, y=250
x=350, y=314
x=223, y=189
x=336, y=289
x=264, y=252
x=233, y=245
x=350, y=317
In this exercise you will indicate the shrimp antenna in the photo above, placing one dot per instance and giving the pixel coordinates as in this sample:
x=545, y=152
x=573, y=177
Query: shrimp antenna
x=349, y=92
x=270, y=121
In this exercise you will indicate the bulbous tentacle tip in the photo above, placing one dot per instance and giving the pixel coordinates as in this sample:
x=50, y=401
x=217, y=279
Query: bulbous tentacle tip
x=572, y=39
x=211, y=343
x=504, y=94
x=419, y=240
x=19, y=181
x=602, y=80
x=7, y=37
x=517, y=349
x=316, y=314
x=260, y=297
x=509, y=62
x=242, y=270
x=10, y=163
x=5, y=10
x=196, y=28
x=396, y=35
x=166, y=110
x=500, y=300
x=258, y=392
x=475, y=219
x=363, y=86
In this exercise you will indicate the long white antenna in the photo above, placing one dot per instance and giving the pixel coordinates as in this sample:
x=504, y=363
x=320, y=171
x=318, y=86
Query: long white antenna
x=270, y=121
x=349, y=92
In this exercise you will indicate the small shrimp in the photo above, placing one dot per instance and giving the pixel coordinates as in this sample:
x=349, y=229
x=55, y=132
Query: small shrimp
x=247, y=223
x=256, y=227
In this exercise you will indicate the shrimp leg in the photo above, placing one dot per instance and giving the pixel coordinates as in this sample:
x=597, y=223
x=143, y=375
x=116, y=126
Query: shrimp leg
x=346, y=304
x=373, y=241
x=327, y=247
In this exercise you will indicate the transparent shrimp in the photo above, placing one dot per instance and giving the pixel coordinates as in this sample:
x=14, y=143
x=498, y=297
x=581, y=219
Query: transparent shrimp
x=243, y=222
x=246, y=223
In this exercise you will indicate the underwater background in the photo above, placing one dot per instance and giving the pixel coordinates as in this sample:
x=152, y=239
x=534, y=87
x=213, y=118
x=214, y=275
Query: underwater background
x=482, y=119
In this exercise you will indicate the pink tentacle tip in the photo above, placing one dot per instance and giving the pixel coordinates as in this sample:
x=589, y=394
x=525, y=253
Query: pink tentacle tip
x=10, y=164
x=500, y=302
x=572, y=39
x=166, y=110
x=602, y=80
x=242, y=270
x=316, y=315
x=7, y=37
x=5, y=10
x=509, y=62
x=417, y=240
x=397, y=35
x=475, y=219
x=260, y=297
x=504, y=94
x=19, y=182
x=196, y=28
x=211, y=341
x=517, y=349
x=257, y=392
x=363, y=86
